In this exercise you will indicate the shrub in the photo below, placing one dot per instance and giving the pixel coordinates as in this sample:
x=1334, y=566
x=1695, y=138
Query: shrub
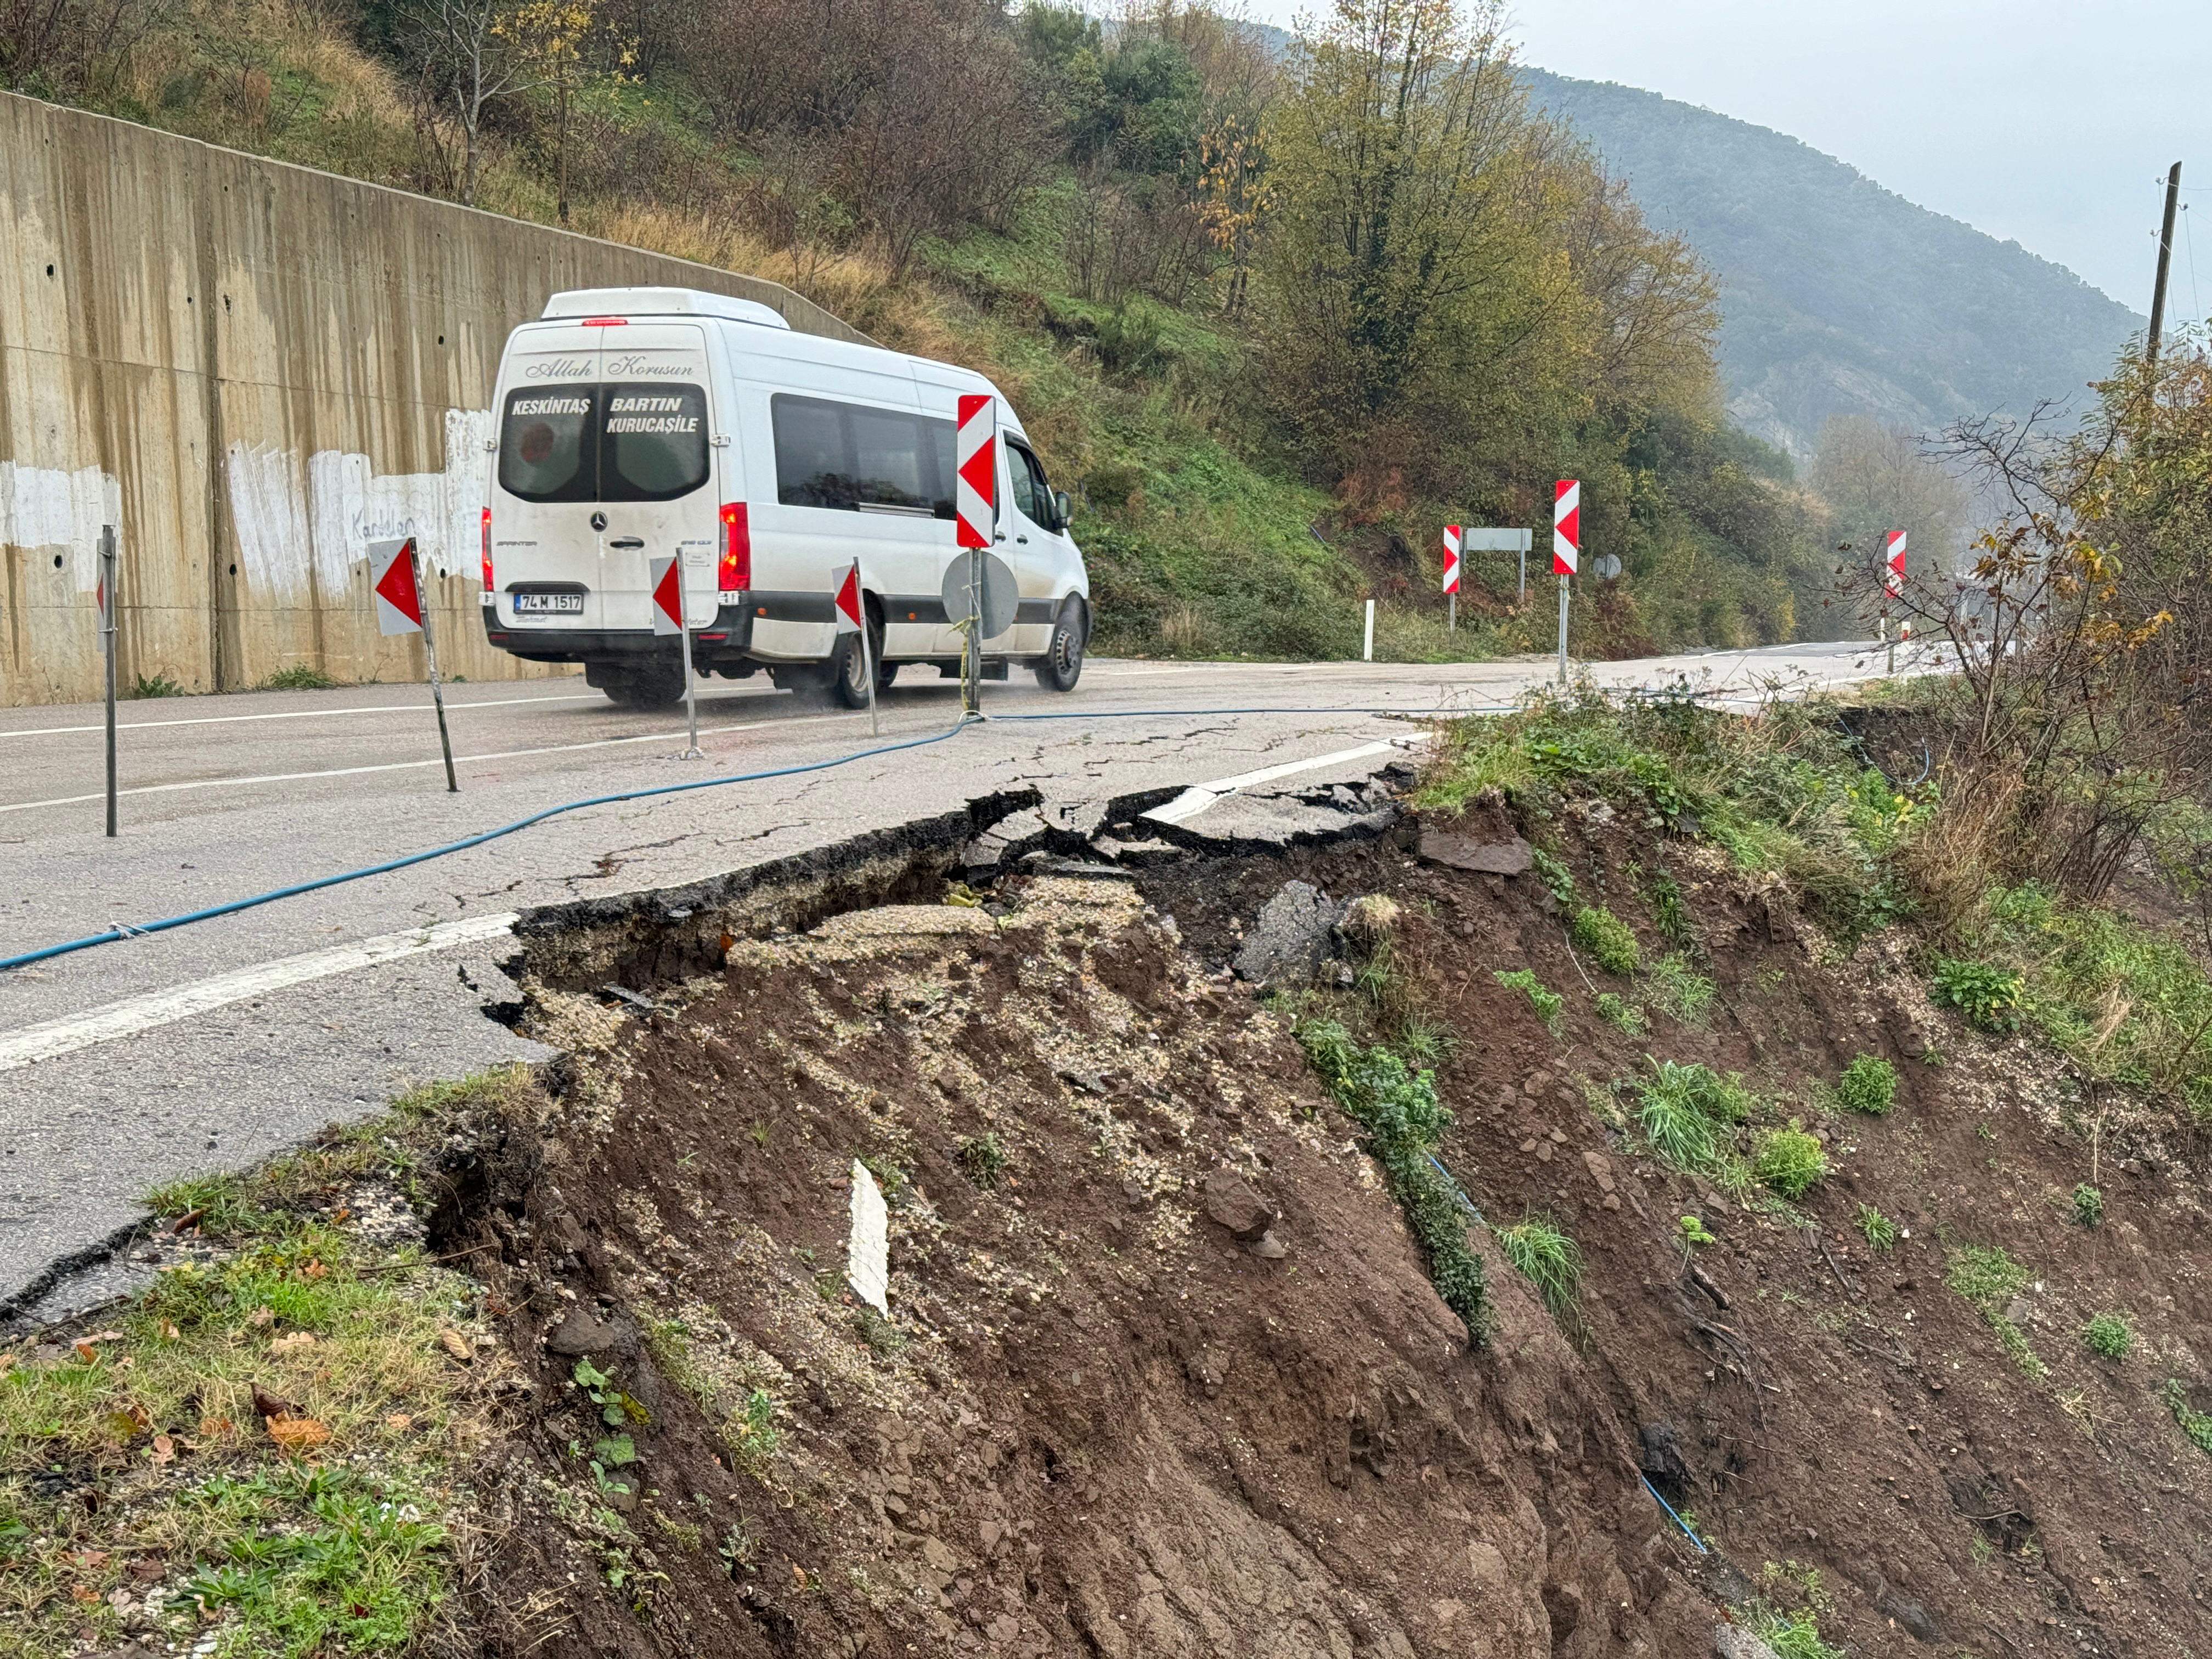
x=2088, y=1204
x=1989, y=997
x=1558, y=880
x=1617, y=1010
x=1609, y=940
x=1682, y=992
x=2110, y=1336
x=1789, y=1161
x=1880, y=1230
x=1548, y=1003
x=1547, y=1259
x=1404, y=1121
x=1868, y=1085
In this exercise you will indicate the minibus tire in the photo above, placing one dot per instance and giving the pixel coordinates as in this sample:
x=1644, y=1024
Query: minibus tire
x=847, y=675
x=1061, y=665
x=645, y=688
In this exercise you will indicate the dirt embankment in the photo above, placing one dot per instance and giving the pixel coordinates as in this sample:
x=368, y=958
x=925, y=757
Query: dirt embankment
x=1163, y=1373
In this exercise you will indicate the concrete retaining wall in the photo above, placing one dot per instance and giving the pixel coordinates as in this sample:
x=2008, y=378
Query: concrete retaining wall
x=253, y=370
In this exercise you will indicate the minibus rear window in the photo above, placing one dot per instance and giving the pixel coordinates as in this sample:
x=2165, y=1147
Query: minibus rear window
x=547, y=451
x=847, y=456
x=653, y=446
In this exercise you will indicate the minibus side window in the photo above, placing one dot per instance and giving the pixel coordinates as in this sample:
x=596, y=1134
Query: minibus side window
x=548, y=449
x=847, y=456
x=653, y=446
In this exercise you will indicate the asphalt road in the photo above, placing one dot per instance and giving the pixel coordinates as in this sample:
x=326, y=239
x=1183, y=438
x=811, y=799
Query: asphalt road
x=144, y=1061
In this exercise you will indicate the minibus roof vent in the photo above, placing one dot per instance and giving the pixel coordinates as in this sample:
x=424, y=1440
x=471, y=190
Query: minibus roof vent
x=660, y=302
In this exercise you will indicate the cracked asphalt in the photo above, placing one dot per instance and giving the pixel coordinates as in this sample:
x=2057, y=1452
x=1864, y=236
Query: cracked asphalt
x=229, y=796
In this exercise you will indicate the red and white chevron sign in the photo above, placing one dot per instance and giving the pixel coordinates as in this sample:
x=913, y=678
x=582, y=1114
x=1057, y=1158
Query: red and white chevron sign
x=975, y=494
x=1566, y=526
x=1452, y=558
x=1894, y=545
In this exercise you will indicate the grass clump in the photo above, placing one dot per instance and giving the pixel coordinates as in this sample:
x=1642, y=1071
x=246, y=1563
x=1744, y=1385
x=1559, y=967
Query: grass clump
x=1404, y=1121
x=1788, y=1162
x=1609, y=940
x=2193, y=1423
x=982, y=1158
x=1669, y=913
x=1547, y=1259
x=1616, y=1010
x=1988, y=996
x=155, y=685
x=2089, y=1204
x=1681, y=990
x=1877, y=1229
x=1792, y=1635
x=299, y=676
x=2109, y=1336
x=1548, y=1003
x=1868, y=1085
x=1684, y=1110
x=1990, y=1278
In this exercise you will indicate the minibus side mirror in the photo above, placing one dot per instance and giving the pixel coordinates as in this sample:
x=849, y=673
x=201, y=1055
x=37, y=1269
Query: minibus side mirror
x=1063, y=509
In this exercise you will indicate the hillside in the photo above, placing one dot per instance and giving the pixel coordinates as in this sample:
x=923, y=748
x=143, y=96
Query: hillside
x=1838, y=297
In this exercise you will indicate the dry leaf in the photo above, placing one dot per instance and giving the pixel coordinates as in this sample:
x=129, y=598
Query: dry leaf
x=105, y=1336
x=341, y=1215
x=164, y=1449
x=798, y=1575
x=260, y=1317
x=84, y=1593
x=87, y=1352
x=456, y=1344
x=296, y=1340
x=7, y=1364
x=296, y=1435
x=399, y=1422
x=314, y=1269
x=214, y=1428
x=90, y=1560
x=169, y=1332
x=121, y=1600
x=269, y=1405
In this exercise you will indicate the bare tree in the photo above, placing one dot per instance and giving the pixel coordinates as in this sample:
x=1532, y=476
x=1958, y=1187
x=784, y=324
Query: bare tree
x=470, y=55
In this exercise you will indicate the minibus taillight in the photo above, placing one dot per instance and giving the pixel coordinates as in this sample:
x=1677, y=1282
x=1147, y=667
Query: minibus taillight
x=487, y=550
x=735, y=572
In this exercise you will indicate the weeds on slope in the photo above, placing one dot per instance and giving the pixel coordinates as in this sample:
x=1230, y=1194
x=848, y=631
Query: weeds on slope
x=1405, y=1120
x=265, y=1442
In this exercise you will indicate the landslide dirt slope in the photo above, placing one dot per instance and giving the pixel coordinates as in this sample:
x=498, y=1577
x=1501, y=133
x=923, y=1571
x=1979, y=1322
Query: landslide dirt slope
x=1099, y=1422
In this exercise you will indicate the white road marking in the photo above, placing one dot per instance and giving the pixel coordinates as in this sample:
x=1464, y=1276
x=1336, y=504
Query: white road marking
x=405, y=765
x=141, y=1013
x=451, y=707
x=1196, y=798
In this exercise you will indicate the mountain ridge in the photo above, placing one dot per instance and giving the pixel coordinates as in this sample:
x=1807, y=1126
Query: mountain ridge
x=1961, y=325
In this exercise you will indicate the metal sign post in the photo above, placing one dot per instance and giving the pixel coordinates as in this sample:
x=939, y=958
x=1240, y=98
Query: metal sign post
x=1892, y=587
x=1499, y=541
x=852, y=614
x=107, y=601
x=397, y=584
x=1566, y=550
x=668, y=617
x=1451, y=579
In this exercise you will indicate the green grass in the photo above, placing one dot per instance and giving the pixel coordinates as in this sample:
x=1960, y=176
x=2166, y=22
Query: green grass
x=1681, y=990
x=342, y=1549
x=299, y=677
x=155, y=685
x=1867, y=1084
x=1404, y=1120
x=1989, y=1279
x=1618, y=1011
x=1547, y=1259
x=1609, y=941
x=1669, y=913
x=2109, y=1336
x=1548, y=1003
x=2193, y=1423
x=1788, y=1162
x=1877, y=1229
x=1684, y=1110
x=1792, y=1635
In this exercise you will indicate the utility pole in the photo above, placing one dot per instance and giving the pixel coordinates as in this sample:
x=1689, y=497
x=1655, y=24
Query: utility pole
x=2165, y=262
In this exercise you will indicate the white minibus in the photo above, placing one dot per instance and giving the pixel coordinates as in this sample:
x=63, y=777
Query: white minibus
x=643, y=421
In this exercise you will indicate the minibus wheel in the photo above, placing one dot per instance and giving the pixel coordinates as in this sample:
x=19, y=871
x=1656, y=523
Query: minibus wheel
x=655, y=687
x=1061, y=665
x=851, y=675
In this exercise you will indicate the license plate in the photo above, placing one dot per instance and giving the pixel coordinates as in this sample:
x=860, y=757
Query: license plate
x=549, y=605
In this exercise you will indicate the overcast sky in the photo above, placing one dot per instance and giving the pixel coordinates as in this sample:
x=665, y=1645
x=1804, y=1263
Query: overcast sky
x=2047, y=122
